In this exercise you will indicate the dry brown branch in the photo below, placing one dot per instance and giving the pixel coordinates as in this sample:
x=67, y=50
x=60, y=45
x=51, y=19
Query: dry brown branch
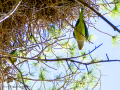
x=11, y=11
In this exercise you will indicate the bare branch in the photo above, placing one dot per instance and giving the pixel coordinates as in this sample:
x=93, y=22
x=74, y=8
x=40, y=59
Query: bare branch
x=62, y=59
x=11, y=11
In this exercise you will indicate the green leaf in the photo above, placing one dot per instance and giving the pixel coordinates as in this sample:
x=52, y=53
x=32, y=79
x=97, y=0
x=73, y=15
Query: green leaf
x=115, y=40
x=92, y=37
x=58, y=76
x=42, y=76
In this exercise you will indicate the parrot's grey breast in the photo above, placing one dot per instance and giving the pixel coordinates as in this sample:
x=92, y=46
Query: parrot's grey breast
x=80, y=44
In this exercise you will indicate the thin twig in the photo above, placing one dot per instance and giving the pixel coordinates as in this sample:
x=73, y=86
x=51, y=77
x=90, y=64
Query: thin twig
x=11, y=11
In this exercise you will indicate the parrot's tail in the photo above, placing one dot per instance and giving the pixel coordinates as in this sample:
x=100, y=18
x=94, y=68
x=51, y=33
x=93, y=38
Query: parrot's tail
x=80, y=45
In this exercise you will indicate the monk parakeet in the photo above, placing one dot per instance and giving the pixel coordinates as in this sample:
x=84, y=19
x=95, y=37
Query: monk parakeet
x=80, y=32
x=15, y=53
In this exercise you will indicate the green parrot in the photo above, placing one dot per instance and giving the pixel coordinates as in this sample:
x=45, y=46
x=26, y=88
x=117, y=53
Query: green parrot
x=80, y=32
x=15, y=53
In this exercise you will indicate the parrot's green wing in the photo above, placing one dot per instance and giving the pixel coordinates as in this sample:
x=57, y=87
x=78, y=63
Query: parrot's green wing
x=86, y=31
x=74, y=35
x=15, y=53
x=76, y=26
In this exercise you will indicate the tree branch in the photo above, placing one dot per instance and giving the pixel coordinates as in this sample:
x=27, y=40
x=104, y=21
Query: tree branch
x=52, y=60
x=11, y=11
